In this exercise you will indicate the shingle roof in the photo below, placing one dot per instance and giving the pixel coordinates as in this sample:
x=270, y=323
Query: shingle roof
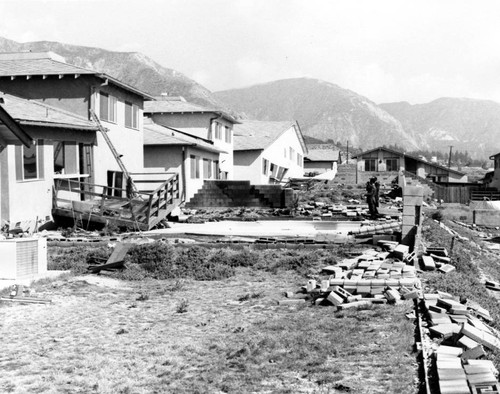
x=178, y=106
x=323, y=155
x=155, y=134
x=35, y=113
x=48, y=63
x=258, y=135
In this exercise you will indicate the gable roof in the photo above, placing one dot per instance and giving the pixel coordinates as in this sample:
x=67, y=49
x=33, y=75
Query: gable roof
x=180, y=107
x=36, y=113
x=323, y=155
x=155, y=134
x=402, y=154
x=30, y=64
x=258, y=135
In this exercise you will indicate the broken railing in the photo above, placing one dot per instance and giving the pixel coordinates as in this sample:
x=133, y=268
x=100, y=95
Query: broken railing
x=86, y=202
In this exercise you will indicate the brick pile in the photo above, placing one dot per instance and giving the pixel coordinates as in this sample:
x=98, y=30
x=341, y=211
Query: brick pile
x=437, y=258
x=373, y=278
x=460, y=335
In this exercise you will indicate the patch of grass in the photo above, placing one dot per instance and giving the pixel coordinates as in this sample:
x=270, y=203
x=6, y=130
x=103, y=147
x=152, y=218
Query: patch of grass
x=182, y=306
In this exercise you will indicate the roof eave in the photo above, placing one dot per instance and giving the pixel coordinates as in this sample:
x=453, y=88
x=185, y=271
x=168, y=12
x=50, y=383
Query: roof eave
x=57, y=125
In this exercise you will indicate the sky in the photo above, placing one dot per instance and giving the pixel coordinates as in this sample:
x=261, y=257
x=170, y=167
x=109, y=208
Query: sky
x=386, y=50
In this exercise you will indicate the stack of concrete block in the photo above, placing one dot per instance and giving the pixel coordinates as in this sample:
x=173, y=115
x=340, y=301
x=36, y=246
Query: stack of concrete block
x=412, y=214
x=224, y=193
x=463, y=339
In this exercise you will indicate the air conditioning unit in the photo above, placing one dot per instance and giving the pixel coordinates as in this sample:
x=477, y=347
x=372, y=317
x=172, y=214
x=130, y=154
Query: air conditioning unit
x=23, y=258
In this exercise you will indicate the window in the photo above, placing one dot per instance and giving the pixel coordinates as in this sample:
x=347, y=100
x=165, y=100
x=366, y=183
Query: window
x=207, y=168
x=370, y=165
x=107, y=107
x=273, y=169
x=227, y=134
x=29, y=161
x=299, y=160
x=292, y=153
x=265, y=165
x=131, y=115
x=195, y=166
x=284, y=152
x=391, y=165
x=218, y=131
x=216, y=169
x=65, y=157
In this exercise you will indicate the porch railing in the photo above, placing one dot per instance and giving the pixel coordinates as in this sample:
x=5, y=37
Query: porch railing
x=106, y=202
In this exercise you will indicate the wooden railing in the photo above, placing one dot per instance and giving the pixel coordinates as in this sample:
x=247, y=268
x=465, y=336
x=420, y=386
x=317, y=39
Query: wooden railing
x=105, y=203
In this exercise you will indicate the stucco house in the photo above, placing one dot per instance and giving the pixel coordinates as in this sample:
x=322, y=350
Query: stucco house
x=319, y=161
x=268, y=152
x=206, y=123
x=52, y=101
x=386, y=162
x=194, y=158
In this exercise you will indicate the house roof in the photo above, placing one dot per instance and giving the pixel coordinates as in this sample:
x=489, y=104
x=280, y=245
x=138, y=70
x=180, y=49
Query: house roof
x=180, y=107
x=323, y=155
x=36, y=113
x=409, y=156
x=13, y=126
x=155, y=134
x=492, y=157
x=29, y=64
x=258, y=135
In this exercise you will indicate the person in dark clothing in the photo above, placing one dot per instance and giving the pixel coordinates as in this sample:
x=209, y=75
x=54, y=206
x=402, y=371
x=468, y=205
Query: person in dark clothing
x=377, y=192
x=370, y=198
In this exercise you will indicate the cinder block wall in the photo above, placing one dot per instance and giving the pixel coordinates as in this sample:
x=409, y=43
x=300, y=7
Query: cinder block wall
x=227, y=193
x=413, y=197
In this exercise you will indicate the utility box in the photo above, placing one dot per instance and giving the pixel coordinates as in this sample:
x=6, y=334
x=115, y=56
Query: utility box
x=23, y=258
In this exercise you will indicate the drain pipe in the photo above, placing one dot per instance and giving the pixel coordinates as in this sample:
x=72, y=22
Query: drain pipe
x=183, y=174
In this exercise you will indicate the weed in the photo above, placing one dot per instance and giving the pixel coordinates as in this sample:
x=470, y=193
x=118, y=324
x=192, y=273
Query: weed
x=250, y=296
x=182, y=306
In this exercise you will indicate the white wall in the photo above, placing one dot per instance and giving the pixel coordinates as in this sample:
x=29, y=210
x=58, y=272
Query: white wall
x=127, y=142
x=275, y=154
x=30, y=199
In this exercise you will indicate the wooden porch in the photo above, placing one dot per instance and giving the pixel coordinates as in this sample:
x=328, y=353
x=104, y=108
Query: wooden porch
x=90, y=204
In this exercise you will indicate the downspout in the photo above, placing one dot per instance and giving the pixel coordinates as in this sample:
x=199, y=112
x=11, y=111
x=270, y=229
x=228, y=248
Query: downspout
x=183, y=174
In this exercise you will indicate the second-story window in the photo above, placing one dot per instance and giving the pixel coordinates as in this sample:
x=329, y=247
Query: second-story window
x=107, y=107
x=131, y=115
x=227, y=134
x=218, y=131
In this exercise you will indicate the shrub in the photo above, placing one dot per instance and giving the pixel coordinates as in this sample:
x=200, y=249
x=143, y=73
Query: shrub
x=244, y=258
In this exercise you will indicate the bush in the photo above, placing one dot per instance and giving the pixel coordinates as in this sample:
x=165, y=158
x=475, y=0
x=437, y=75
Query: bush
x=74, y=258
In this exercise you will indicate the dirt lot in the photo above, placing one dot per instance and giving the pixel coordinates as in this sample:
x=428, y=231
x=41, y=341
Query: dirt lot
x=101, y=335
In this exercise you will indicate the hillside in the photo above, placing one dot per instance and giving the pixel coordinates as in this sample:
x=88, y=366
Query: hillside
x=324, y=111
x=466, y=124
x=132, y=68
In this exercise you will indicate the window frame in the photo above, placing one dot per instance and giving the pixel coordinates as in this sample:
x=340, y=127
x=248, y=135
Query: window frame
x=368, y=165
x=391, y=167
x=227, y=134
x=265, y=166
x=111, y=108
x=194, y=162
x=39, y=161
x=134, y=115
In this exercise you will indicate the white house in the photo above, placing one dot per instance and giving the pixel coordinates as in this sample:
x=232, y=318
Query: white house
x=268, y=152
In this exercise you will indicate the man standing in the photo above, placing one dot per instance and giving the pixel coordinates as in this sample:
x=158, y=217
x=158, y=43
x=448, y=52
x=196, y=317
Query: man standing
x=372, y=188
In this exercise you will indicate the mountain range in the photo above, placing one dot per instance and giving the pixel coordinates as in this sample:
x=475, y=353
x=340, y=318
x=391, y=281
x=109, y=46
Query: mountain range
x=323, y=110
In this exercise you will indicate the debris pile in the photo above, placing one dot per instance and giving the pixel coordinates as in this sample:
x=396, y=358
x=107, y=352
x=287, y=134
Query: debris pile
x=455, y=335
x=373, y=278
x=437, y=258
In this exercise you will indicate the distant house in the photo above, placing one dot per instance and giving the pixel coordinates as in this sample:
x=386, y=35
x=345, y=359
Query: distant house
x=492, y=178
x=194, y=158
x=206, y=123
x=268, y=152
x=319, y=161
x=385, y=162
x=52, y=101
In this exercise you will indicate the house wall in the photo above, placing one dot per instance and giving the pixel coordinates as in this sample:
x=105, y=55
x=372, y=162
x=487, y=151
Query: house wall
x=68, y=93
x=30, y=199
x=171, y=158
x=380, y=159
x=128, y=142
x=202, y=125
x=250, y=167
x=320, y=166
